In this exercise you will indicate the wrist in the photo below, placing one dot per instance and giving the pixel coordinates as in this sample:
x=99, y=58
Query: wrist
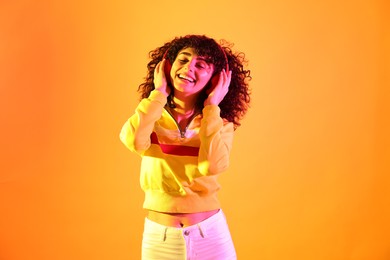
x=158, y=96
x=209, y=101
x=163, y=91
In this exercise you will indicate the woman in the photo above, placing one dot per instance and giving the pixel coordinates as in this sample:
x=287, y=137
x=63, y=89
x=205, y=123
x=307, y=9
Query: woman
x=194, y=95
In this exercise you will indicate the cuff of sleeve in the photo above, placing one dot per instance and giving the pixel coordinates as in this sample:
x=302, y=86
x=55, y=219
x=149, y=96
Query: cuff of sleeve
x=156, y=95
x=211, y=110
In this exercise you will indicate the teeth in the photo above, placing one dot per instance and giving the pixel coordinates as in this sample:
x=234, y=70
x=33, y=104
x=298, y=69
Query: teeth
x=186, y=78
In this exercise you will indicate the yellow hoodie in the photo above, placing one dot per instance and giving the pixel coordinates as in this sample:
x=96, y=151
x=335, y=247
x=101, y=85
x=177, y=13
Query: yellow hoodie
x=179, y=168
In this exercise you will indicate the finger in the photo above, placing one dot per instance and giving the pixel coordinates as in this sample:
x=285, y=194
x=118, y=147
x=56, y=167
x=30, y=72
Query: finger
x=157, y=68
x=222, y=77
x=162, y=63
x=228, y=75
x=225, y=77
x=228, y=78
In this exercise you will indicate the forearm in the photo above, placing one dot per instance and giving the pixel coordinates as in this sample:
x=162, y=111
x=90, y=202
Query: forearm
x=216, y=138
x=135, y=133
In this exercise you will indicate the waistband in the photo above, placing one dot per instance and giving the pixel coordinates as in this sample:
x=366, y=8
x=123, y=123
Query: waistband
x=199, y=229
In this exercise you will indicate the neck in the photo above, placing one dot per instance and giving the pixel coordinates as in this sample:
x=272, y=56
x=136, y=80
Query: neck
x=185, y=105
x=184, y=109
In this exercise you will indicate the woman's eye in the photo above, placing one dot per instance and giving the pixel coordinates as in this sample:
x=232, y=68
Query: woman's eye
x=182, y=61
x=201, y=65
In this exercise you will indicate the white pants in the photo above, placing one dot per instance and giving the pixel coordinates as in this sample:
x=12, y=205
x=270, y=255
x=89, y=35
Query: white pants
x=208, y=240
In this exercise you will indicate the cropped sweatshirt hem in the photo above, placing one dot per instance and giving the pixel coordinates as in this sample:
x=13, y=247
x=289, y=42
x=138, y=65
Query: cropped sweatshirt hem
x=179, y=167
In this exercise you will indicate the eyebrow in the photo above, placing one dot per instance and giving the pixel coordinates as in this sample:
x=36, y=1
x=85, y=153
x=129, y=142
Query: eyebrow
x=199, y=57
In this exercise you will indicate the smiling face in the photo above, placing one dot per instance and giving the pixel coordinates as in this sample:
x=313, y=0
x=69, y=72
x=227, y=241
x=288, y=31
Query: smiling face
x=190, y=73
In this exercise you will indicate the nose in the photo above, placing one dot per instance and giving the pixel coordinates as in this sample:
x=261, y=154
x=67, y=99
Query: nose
x=190, y=65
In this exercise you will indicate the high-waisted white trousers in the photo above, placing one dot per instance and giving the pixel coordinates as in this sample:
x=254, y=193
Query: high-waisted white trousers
x=207, y=240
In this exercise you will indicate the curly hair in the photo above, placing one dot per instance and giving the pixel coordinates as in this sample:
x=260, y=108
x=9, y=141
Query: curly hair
x=236, y=102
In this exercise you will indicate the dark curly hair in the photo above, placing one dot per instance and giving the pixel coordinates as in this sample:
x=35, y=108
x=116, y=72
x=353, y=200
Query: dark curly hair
x=236, y=102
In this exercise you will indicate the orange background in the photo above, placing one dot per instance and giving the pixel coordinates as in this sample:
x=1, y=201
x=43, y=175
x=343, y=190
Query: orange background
x=309, y=175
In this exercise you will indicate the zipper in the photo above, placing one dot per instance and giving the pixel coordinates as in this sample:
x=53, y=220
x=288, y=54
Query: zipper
x=182, y=131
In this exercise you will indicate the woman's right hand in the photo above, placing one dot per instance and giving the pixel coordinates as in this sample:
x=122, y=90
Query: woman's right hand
x=160, y=80
x=218, y=91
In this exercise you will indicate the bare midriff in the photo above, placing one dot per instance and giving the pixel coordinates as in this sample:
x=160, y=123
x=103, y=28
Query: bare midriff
x=179, y=219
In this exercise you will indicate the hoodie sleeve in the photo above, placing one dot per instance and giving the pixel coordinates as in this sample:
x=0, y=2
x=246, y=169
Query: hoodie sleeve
x=135, y=133
x=216, y=137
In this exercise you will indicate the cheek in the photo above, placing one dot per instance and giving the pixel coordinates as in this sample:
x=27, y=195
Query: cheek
x=205, y=75
x=171, y=71
x=174, y=68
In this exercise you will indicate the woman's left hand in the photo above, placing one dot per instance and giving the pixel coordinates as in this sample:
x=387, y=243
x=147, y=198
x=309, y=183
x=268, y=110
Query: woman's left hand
x=220, y=89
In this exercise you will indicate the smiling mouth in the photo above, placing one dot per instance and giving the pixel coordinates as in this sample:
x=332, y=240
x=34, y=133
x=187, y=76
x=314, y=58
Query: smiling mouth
x=186, y=78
